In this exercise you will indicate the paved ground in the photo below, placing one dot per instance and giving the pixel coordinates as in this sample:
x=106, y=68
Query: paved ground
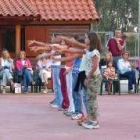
x=29, y=117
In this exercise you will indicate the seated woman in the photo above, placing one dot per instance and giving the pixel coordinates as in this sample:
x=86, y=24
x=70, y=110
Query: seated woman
x=104, y=61
x=24, y=68
x=137, y=73
x=126, y=71
x=6, y=67
x=103, y=64
x=138, y=68
x=44, y=67
x=110, y=75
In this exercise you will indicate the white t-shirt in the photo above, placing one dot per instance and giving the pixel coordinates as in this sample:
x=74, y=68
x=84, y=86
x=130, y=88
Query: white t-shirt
x=56, y=63
x=23, y=62
x=46, y=65
x=83, y=63
x=89, y=62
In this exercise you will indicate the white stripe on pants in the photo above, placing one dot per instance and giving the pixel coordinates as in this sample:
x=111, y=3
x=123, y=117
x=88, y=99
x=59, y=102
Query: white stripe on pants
x=69, y=90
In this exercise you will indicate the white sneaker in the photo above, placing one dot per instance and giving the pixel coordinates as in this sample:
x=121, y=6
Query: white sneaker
x=54, y=106
x=3, y=90
x=90, y=125
x=77, y=116
x=45, y=91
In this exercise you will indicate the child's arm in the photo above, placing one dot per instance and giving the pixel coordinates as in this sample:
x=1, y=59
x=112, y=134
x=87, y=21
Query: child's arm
x=37, y=43
x=105, y=73
x=70, y=58
x=73, y=42
x=74, y=50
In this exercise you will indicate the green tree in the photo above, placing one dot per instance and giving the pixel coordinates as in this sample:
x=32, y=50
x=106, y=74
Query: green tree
x=117, y=14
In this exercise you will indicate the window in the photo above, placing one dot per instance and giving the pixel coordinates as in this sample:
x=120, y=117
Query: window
x=8, y=39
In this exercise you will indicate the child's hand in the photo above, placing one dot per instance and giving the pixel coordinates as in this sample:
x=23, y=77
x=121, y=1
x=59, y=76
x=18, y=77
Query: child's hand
x=67, y=71
x=86, y=81
x=30, y=42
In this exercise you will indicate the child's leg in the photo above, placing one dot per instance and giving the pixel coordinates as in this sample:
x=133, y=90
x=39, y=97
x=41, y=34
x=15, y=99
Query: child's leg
x=45, y=77
x=109, y=87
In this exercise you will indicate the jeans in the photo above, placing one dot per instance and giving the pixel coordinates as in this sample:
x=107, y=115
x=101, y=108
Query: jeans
x=84, y=98
x=27, y=78
x=76, y=95
x=130, y=75
x=115, y=61
x=6, y=76
x=57, y=85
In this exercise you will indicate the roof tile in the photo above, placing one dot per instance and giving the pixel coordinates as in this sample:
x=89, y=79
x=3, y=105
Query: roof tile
x=50, y=9
x=17, y=8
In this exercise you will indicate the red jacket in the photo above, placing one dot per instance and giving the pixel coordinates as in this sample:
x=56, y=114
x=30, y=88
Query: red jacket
x=19, y=66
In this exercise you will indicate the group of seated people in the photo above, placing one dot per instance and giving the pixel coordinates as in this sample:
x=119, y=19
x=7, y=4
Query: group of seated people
x=23, y=70
x=123, y=70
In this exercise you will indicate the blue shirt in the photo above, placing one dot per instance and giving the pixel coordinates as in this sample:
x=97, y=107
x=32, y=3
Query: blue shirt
x=76, y=65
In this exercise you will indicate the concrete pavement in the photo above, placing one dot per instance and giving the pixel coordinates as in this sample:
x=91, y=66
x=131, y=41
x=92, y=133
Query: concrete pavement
x=30, y=117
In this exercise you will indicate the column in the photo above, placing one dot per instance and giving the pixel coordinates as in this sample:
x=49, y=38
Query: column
x=18, y=39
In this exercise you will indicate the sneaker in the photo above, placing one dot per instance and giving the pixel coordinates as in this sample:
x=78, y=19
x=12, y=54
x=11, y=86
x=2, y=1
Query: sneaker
x=54, y=106
x=61, y=109
x=3, y=90
x=74, y=114
x=130, y=91
x=25, y=92
x=82, y=120
x=45, y=91
x=68, y=113
x=52, y=102
x=90, y=125
x=77, y=116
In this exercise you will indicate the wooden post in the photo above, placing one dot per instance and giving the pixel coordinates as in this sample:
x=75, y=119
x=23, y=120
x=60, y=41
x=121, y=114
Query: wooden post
x=18, y=38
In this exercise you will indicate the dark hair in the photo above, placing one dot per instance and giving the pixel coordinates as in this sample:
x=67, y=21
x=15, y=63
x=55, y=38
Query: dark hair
x=76, y=37
x=4, y=49
x=109, y=62
x=81, y=40
x=95, y=41
x=56, y=34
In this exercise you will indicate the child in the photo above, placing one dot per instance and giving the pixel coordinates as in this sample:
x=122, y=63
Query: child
x=110, y=75
x=44, y=65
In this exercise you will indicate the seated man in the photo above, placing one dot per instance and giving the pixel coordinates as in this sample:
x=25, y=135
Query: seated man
x=43, y=65
x=126, y=71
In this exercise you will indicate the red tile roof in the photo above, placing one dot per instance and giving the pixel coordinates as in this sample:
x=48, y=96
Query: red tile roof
x=17, y=8
x=50, y=9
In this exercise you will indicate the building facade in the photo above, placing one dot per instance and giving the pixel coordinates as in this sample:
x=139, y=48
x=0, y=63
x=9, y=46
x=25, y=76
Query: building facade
x=23, y=20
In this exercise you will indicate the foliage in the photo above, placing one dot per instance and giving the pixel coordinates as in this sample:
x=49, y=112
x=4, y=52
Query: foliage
x=117, y=14
x=132, y=45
